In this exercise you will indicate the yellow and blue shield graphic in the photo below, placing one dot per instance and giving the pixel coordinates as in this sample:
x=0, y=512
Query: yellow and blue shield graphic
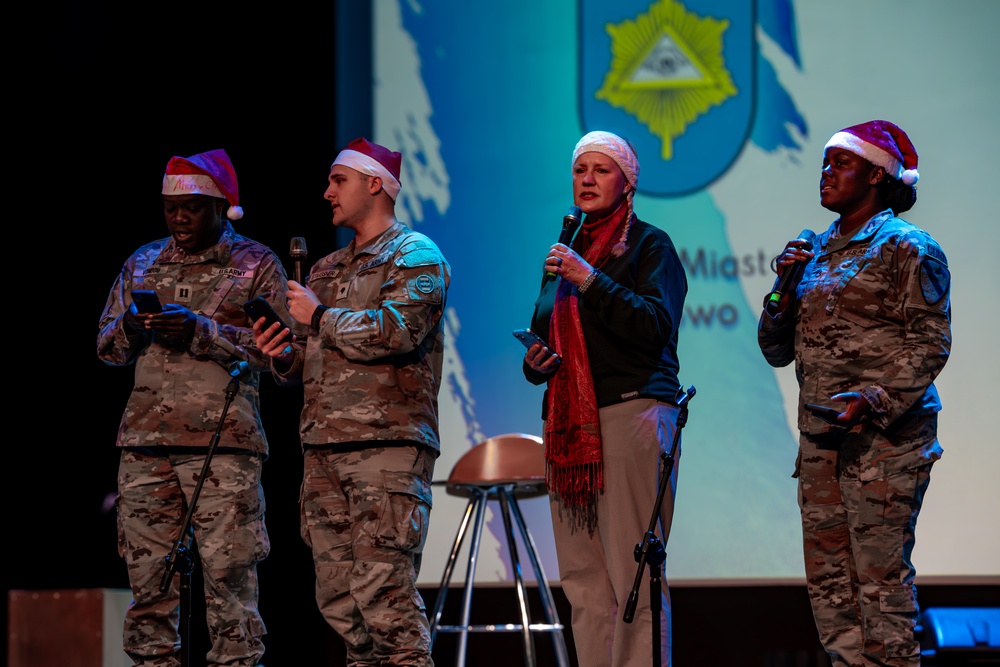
x=676, y=78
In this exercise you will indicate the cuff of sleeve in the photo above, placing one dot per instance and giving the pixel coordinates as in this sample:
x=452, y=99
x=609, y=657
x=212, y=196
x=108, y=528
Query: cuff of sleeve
x=281, y=369
x=879, y=402
x=131, y=333
x=205, y=336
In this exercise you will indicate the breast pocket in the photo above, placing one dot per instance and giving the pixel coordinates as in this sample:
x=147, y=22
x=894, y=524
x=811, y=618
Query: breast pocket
x=862, y=296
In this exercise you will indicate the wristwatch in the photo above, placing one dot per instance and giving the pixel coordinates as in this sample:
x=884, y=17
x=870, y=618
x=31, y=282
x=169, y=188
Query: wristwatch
x=318, y=315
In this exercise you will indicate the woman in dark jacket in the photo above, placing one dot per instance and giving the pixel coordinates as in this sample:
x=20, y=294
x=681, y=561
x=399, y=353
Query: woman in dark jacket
x=610, y=319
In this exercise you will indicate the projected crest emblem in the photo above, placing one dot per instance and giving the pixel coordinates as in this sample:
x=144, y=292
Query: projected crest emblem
x=676, y=79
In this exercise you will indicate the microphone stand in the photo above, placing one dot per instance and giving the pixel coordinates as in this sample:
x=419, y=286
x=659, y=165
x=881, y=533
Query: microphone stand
x=181, y=560
x=650, y=551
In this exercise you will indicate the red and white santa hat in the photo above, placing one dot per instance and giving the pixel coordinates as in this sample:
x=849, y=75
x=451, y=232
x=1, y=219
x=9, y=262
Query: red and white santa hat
x=209, y=174
x=883, y=144
x=374, y=160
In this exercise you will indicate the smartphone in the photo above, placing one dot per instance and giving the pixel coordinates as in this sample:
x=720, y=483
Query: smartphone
x=258, y=308
x=528, y=337
x=829, y=415
x=146, y=301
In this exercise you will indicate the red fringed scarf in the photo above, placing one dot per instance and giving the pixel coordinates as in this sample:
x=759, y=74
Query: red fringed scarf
x=574, y=463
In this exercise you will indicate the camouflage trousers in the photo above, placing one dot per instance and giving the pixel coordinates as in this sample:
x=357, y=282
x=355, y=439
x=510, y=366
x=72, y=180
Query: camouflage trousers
x=230, y=539
x=364, y=514
x=858, y=536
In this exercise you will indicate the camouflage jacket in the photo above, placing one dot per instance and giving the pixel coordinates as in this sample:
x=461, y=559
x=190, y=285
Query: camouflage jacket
x=179, y=390
x=373, y=370
x=872, y=314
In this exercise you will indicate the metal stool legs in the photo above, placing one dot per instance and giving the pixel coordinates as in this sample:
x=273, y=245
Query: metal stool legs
x=511, y=513
x=510, y=508
x=477, y=503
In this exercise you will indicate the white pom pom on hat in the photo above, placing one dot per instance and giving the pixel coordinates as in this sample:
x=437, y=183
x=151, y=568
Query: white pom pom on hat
x=884, y=145
x=210, y=173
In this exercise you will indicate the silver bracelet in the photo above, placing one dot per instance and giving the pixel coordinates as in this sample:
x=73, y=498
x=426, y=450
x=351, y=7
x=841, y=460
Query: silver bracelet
x=586, y=283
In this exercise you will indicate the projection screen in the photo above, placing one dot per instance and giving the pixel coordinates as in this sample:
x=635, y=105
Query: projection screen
x=486, y=101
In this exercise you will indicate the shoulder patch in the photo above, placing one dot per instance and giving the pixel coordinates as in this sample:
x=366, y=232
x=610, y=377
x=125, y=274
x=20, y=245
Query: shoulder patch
x=419, y=256
x=425, y=283
x=935, y=279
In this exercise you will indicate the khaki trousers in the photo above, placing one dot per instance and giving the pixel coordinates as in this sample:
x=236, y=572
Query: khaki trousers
x=597, y=570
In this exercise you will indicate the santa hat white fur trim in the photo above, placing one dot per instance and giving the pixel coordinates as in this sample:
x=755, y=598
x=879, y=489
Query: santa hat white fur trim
x=191, y=184
x=369, y=165
x=875, y=155
x=197, y=184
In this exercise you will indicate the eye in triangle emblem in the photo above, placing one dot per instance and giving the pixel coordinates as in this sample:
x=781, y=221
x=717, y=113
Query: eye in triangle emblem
x=675, y=79
x=671, y=77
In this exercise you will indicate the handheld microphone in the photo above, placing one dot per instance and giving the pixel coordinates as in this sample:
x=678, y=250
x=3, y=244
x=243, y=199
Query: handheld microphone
x=789, y=279
x=298, y=251
x=571, y=222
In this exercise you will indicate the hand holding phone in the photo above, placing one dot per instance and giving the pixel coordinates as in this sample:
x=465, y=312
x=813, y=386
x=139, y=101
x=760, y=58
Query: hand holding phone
x=146, y=301
x=528, y=338
x=829, y=415
x=258, y=308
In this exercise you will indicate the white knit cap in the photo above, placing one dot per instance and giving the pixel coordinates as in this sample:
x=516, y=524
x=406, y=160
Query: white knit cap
x=615, y=148
x=621, y=152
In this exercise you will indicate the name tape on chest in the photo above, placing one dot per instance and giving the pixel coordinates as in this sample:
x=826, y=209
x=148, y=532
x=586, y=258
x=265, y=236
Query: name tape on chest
x=375, y=261
x=229, y=271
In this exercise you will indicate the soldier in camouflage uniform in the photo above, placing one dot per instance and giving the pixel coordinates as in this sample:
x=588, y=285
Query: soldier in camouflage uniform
x=371, y=368
x=187, y=358
x=869, y=329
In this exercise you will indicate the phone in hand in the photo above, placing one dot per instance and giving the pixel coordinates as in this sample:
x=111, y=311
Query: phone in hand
x=829, y=415
x=258, y=308
x=528, y=337
x=146, y=301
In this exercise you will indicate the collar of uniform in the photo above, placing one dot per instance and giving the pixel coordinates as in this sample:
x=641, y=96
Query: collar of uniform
x=374, y=247
x=220, y=252
x=869, y=228
x=830, y=240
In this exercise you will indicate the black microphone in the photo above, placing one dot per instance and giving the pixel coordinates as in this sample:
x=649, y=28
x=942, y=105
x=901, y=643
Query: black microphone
x=789, y=279
x=684, y=395
x=571, y=222
x=298, y=251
